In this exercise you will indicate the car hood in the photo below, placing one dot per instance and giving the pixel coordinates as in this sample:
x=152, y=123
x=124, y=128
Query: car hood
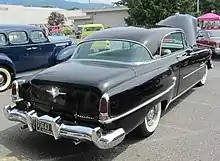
x=103, y=76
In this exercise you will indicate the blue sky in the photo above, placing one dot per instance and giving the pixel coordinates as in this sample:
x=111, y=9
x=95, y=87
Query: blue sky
x=94, y=1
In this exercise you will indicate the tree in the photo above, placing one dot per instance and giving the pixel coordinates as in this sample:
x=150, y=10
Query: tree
x=56, y=19
x=209, y=6
x=149, y=12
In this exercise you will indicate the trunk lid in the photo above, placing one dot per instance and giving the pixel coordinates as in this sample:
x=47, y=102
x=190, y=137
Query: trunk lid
x=80, y=86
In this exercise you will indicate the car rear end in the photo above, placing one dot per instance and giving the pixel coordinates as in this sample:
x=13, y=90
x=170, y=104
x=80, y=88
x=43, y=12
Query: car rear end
x=69, y=111
x=215, y=40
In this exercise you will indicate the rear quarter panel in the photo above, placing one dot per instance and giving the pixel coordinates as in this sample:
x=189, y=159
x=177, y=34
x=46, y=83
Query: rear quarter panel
x=134, y=97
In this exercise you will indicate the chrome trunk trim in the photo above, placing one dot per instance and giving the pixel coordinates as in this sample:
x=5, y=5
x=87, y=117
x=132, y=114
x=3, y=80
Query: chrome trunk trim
x=103, y=140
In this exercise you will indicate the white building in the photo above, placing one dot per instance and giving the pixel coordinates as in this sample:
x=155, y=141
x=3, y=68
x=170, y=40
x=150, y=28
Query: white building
x=18, y=14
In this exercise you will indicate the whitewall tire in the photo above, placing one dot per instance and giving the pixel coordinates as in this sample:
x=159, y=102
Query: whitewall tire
x=204, y=78
x=5, y=79
x=150, y=122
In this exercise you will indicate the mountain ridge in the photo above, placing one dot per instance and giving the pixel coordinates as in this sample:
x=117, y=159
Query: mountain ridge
x=56, y=4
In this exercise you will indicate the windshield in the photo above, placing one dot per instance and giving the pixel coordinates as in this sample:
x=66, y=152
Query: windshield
x=214, y=33
x=112, y=50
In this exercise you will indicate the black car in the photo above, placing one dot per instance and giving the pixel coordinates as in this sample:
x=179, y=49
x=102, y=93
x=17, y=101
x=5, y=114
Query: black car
x=102, y=95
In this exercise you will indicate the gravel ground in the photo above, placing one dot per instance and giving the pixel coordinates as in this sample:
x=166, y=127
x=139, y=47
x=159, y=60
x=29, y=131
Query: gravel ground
x=190, y=131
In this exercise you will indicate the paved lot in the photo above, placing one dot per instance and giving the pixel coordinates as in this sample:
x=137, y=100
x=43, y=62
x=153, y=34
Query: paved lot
x=190, y=131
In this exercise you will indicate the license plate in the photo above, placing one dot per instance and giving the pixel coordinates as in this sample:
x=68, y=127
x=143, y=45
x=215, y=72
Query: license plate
x=44, y=127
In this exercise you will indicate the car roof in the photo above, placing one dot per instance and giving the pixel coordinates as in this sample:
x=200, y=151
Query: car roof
x=20, y=27
x=150, y=37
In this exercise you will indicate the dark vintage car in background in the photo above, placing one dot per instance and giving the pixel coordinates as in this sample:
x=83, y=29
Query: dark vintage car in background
x=209, y=39
x=24, y=48
x=102, y=95
x=62, y=55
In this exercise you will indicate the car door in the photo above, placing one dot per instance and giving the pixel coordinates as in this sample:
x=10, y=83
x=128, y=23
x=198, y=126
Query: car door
x=168, y=53
x=40, y=49
x=188, y=67
x=17, y=50
x=175, y=49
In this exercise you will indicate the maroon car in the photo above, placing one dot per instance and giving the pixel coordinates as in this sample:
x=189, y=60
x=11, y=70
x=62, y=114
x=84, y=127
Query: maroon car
x=210, y=39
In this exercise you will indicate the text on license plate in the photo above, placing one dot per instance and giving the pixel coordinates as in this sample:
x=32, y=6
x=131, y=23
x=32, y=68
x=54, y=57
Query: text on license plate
x=44, y=127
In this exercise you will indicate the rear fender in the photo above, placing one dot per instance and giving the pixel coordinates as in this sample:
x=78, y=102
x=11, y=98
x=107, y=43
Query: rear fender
x=7, y=62
x=130, y=101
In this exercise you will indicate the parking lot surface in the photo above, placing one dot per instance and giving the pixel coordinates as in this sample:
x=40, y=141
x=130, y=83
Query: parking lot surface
x=190, y=131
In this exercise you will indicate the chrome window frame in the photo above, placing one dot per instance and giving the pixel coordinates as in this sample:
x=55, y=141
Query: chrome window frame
x=38, y=41
x=25, y=42
x=181, y=32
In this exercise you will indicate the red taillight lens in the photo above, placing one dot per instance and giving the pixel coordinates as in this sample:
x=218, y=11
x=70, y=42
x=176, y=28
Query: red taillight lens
x=103, y=106
x=14, y=89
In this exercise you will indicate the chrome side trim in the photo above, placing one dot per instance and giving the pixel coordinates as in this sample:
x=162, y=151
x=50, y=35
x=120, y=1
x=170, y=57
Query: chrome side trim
x=141, y=105
x=173, y=99
x=102, y=139
x=201, y=66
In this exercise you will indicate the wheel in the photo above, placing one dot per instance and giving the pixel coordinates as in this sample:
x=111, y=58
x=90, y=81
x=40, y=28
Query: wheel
x=5, y=79
x=204, y=78
x=151, y=121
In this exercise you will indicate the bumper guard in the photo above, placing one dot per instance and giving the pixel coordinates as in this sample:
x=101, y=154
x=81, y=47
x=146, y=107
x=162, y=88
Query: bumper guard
x=59, y=129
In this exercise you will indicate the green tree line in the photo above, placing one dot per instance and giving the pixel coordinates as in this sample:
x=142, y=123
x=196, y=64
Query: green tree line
x=142, y=12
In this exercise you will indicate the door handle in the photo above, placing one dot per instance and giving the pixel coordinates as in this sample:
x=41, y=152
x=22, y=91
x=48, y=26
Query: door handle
x=179, y=56
x=32, y=48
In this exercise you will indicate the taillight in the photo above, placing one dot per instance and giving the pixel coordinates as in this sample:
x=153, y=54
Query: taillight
x=14, y=88
x=104, y=107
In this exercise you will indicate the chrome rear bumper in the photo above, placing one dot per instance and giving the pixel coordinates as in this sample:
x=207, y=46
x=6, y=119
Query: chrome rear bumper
x=59, y=129
x=217, y=51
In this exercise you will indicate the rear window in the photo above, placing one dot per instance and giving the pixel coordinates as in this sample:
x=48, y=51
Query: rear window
x=3, y=40
x=18, y=37
x=112, y=50
x=38, y=36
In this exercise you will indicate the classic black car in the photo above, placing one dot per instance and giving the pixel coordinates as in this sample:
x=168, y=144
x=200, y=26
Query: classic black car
x=102, y=95
x=24, y=48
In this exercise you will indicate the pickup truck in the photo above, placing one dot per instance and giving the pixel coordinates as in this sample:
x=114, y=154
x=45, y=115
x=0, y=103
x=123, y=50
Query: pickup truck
x=25, y=48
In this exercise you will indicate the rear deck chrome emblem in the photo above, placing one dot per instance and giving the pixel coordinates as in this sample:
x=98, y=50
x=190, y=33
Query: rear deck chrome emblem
x=55, y=92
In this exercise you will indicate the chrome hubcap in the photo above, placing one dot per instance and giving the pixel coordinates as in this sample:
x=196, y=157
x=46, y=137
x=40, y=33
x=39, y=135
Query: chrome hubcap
x=151, y=116
x=1, y=79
